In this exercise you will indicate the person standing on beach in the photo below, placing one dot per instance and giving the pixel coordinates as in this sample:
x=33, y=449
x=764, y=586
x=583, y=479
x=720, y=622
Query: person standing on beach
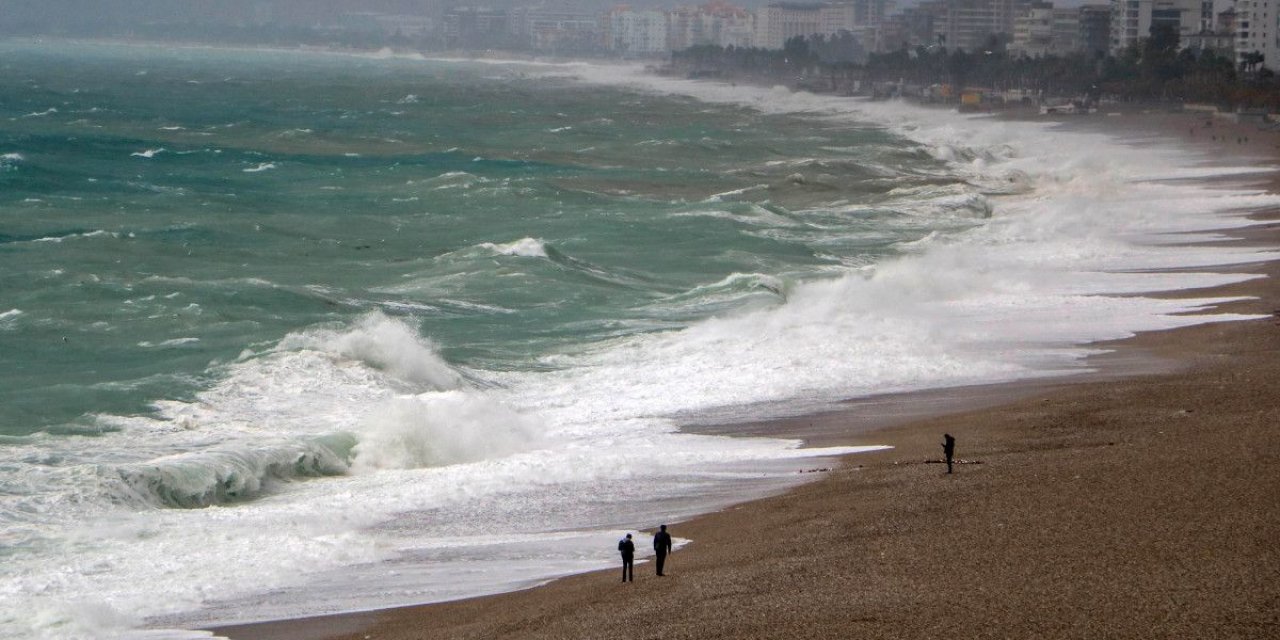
x=628, y=550
x=948, y=449
x=662, y=546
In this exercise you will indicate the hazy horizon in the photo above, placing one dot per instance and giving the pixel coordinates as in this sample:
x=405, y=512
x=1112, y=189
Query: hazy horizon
x=99, y=16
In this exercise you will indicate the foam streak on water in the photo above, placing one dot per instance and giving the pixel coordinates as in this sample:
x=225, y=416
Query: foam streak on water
x=434, y=338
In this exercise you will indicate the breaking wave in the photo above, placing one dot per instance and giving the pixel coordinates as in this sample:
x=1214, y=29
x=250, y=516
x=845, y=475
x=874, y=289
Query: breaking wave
x=220, y=476
x=438, y=429
x=386, y=344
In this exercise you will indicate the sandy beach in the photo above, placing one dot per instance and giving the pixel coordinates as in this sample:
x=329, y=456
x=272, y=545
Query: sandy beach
x=1140, y=505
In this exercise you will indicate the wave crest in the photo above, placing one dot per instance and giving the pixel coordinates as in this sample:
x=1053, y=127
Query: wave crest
x=524, y=247
x=439, y=429
x=197, y=480
x=387, y=344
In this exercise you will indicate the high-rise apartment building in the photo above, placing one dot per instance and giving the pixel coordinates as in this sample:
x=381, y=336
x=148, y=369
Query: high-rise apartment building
x=715, y=23
x=1133, y=20
x=556, y=31
x=1258, y=31
x=973, y=25
x=1095, y=29
x=777, y=23
x=636, y=33
x=1033, y=31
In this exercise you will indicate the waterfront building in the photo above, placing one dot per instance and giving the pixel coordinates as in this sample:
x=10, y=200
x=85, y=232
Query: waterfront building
x=1033, y=31
x=891, y=34
x=777, y=23
x=715, y=23
x=636, y=33
x=1257, y=33
x=920, y=24
x=1043, y=29
x=975, y=25
x=402, y=26
x=556, y=31
x=476, y=28
x=1067, y=35
x=1133, y=20
x=1095, y=29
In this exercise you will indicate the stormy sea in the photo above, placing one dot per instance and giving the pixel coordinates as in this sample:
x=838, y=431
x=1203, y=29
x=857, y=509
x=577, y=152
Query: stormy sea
x=287, y=333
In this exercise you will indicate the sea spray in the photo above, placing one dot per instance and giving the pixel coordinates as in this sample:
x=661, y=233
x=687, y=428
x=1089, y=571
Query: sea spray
x=387, y=344
x=437, y=429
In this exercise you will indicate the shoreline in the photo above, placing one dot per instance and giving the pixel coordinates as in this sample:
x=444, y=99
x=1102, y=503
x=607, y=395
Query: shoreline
x=890, y=547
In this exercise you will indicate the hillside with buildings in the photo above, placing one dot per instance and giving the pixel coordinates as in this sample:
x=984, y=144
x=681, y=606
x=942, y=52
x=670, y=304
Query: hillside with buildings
x=1145, y=49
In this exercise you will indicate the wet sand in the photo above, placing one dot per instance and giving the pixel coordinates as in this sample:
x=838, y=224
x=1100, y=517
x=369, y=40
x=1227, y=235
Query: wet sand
x=1141, y=505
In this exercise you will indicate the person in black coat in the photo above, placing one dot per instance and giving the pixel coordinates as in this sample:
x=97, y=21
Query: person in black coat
x=948, y=449
x=628, y=550
x=662, y=546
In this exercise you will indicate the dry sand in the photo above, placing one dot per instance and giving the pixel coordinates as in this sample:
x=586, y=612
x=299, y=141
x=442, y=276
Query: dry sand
x=1139, y=507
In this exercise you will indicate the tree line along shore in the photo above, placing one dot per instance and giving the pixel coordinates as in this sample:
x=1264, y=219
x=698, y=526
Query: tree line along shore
x=1155, y=70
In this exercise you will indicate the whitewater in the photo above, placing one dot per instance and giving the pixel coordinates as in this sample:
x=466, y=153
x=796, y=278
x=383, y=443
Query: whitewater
x=422, y=348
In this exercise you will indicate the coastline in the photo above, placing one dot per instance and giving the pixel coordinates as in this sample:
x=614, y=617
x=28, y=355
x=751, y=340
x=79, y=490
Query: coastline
x=1132, y=504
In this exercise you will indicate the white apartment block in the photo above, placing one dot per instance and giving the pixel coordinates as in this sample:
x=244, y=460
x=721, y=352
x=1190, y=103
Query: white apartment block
x=1033, y=31
x=1132, y=20
x=1258, y=31
x=1068, y=36
x=715, y=23
x=637, y=32
x=970, y=24
x=1041, y=29
x=777, y=23
x=553, y=30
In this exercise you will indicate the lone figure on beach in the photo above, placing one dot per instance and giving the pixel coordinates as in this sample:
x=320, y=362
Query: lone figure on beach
x=662, y=546
x=948, y=449
x=628, y=550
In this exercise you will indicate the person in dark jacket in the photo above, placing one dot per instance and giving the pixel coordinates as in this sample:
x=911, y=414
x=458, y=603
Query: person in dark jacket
x=628, y=550
x=948, y=449
x=662, y=546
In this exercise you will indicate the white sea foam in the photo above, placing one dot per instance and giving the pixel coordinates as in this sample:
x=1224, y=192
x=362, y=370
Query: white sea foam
x=9, y=319
x=437, y=429
x=173, y=342
x=264, y=166
x=387, y=345
x=149, y=153
x=100, y=233
x=719, y=197
x=1045, y=268
x=454, y=180
x=525, y=247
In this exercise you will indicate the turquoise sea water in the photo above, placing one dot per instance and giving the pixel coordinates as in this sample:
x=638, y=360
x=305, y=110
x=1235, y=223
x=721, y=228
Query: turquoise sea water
x=355, y=331
x=167, y=210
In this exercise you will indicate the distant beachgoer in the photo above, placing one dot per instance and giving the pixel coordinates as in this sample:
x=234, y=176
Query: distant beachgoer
x=948, y=449
x=628, y=550
x=662, y=546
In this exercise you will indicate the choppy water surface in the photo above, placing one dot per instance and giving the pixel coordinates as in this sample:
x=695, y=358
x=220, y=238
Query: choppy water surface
x=288, y=333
